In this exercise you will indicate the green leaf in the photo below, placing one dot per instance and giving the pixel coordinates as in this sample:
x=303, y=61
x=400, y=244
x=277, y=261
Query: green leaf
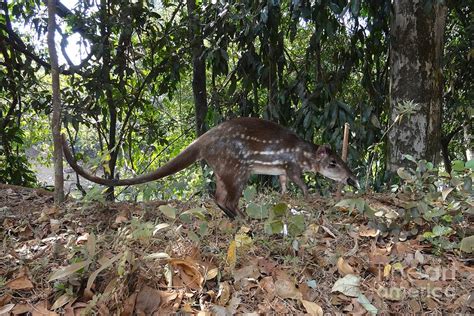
x=440, y=230
x=273, y=227
x=296, y=225
x=402, y=173
x=203, y=229
x=196, y=212
x=193, y=236
x=249, y=193
x=353, y=204
x=470, y=164
x=257, y=211
x=279, y=210
x=409, y=157
x=458, y=165
x=467, y=244
x=168, y=211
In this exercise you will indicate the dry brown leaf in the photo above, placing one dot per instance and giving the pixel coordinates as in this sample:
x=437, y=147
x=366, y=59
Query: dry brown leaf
x=368, y=232
x=224, y=293
x=188, y=273
x=167, y=297
x=129, y=305
x=21, y=309
x=212, y=273
x=20, y=283
x=62, y=300
x=68, y=270
x=6, y=308
x=249, y=271
x=343, y=267
x=268, y=287
x=285, y=287
x=148, y=300
x=187, y=308
x=41, y=309
x=79, y=308
x=266, y=266
x=5, y=299
x=55, y=225
x=415, y=306
x=312, y=308
x=103, y=310
x=121, y=219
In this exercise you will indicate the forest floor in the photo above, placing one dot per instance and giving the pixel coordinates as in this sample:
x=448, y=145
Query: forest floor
x=151, y=259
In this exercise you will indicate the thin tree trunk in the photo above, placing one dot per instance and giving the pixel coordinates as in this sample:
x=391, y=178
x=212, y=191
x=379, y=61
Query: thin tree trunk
x=417, y=39
x=199, y=68
x=274, y=50
x=106, y=58
x=56, y=116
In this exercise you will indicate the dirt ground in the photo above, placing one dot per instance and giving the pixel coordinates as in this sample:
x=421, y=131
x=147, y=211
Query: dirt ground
x=151, y=259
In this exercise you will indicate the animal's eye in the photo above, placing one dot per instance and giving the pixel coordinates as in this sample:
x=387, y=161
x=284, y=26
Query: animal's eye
x=332, y=164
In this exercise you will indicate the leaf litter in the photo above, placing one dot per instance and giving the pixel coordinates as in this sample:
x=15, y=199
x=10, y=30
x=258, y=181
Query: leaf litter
x=146, y=259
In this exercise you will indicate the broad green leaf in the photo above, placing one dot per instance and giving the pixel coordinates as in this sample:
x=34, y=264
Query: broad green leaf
x=257, y=211
x=203, y=228
x=168, y=211
x=440, y=230
x=458, y=165
x=68, y=270
x=296, y=225
x=193, y=236
x=409, y=157
x=470, y=164
x=249, y=193
x=273, y=227
x=353, y=204
x=467, y=244
x=196, y=212
x=279, y=210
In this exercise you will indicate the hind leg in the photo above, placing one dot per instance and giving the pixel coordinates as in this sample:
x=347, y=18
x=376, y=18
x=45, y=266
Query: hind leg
x=228, y=192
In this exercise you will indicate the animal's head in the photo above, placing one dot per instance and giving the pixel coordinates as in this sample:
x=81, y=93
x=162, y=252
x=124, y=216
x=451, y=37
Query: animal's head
x=330, y=165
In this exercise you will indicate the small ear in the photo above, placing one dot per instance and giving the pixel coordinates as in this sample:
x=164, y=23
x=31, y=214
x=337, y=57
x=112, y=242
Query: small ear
x=323, y=151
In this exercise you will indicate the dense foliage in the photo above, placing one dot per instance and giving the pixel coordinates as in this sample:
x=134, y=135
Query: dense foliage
x=312, y=66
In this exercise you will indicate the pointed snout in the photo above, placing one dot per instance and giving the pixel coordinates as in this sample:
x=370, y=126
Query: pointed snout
x=353, y=183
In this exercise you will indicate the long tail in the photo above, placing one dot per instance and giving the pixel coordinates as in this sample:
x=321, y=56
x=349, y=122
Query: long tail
x=183, y=160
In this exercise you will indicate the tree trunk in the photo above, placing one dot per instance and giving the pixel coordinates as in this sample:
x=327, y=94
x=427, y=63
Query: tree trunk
x=274, y=52
x=112, y=128
x=199, y=68
x=56, y=103
x=415, y=75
